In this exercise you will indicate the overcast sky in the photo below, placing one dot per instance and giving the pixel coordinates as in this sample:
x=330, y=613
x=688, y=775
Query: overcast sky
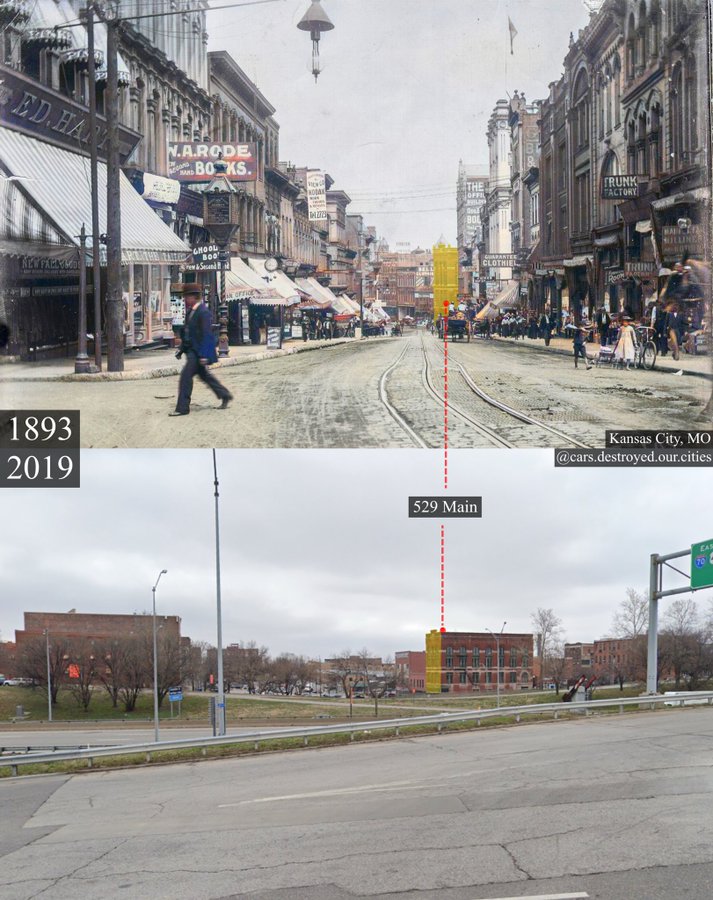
x=318, y=554
x=406, y=91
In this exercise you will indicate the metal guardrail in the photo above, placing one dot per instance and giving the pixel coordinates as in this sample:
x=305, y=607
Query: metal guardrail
x=440, y=720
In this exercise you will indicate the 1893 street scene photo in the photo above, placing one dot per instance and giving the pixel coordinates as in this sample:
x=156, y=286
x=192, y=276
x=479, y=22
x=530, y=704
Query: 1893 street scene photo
x=350, y=223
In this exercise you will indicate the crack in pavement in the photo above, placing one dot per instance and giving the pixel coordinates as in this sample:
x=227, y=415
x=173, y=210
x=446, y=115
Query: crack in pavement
x=75, y=872
x=516, y=864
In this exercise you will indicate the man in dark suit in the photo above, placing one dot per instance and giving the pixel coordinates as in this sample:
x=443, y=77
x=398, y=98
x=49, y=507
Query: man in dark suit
x=603, y=323
x=198, y=345
x=546, y=326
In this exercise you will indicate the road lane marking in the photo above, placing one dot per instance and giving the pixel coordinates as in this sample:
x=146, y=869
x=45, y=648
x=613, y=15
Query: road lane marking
x=580, y=895
x=337, y=792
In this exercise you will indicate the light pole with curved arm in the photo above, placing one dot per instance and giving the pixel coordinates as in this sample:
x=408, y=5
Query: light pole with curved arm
x=155, y=658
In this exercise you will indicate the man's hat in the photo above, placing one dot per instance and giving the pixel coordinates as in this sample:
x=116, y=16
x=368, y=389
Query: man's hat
x=192, y=287
x=626, y=318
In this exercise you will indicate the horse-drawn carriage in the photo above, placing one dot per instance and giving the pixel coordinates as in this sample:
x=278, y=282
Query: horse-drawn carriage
x=456, y=327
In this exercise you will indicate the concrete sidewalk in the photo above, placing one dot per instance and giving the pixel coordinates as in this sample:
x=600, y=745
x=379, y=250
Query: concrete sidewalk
x=144, y=364
x=699, y=366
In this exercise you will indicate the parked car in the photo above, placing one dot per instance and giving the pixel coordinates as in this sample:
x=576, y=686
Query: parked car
x=12, y=682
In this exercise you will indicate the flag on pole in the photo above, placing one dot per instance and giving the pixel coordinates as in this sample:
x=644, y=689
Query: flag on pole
x=513, y=32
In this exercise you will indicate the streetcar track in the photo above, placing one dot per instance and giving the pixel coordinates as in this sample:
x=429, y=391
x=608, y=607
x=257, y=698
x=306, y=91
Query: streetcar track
x=395, y=415
x=515, y=413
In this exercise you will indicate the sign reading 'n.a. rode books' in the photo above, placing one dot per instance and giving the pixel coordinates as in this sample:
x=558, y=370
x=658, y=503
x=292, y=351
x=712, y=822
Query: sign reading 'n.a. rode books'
x=193, y=161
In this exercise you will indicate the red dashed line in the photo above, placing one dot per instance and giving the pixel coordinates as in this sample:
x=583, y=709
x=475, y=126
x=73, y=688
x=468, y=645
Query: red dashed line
x=445, y=396
x=443, y=577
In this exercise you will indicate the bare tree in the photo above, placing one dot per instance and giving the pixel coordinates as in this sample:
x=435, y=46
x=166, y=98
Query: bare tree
x=342, y=666
x=82, y=671
x=375, y=679
x=548, y=629
x=686, y=644
x=251, y=663
x=556, y=665
x=33, y=663
x=632, y=616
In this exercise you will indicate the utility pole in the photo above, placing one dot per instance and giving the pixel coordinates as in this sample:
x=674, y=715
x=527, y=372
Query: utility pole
x=93, y=165
x=219, y=649
x=114, y=302
x=49, y=675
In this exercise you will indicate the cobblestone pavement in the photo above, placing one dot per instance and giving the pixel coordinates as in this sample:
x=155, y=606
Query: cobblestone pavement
x=332, y=399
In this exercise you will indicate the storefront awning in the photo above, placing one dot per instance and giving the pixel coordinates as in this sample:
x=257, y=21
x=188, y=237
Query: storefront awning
x=508, y=296
x=276, y=281
x=56, y=184
x=607, y=240
x=696, y=195
x=244, y=283
x=644, y=226
x=312, y=287
x=577, y=261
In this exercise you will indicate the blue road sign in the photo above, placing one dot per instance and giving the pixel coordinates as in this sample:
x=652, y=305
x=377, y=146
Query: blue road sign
x=175, y=696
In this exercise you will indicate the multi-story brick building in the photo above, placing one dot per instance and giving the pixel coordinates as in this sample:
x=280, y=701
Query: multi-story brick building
x=410, y=670
x=469, y=661
x=92, y=626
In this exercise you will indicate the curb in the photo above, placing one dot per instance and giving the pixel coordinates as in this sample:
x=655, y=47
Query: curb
x=175, y=369
x=560, y=352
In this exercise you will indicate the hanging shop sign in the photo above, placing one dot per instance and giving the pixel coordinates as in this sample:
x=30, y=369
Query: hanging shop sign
x=29, y=107
x=676, y=242
x=193, y=162
x=209, y=258
x=316, y=197
x=620, y=187
x=499, y=260
x=157, y=189
x=616, y=277
x=640, y=269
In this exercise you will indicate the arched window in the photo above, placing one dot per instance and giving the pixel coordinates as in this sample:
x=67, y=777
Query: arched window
x=631, y=146
x=610, y=167
x=641, y=55
x=616, y=76
x=580, y=103
x=676, y=124
x=691, y=107
x=654, y=32
x=631, y=49
x=655, y=138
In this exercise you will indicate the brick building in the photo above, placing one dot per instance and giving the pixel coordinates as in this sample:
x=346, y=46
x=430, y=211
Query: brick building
x=460, y=661
x=617, y=659
x=91, y=626
x=410, y=670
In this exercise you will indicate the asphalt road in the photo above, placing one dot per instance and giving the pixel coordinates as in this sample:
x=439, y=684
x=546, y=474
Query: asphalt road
x=335, y=398
x=100, y=736
x=615, y=808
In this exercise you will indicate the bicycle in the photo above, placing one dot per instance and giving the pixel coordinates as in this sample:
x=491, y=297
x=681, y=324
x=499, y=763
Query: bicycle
x=645, y=353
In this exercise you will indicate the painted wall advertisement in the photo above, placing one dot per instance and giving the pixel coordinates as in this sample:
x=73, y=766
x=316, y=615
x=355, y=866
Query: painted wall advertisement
x=190, y=161
x=316, y=197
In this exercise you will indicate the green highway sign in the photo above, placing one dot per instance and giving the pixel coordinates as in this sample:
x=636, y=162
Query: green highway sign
x=702, y=564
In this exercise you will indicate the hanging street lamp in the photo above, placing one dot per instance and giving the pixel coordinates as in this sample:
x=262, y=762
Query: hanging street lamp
x=315, y=20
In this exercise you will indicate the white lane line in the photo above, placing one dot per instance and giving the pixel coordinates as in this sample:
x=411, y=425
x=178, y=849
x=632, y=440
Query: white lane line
x=337, y=792
x=580, y=895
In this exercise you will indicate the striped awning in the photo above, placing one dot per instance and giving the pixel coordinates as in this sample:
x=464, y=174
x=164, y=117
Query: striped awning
x=50, y=200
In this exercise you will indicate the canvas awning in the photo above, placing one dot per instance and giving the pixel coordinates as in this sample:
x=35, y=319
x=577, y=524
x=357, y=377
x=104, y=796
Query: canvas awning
x=697, y=194
x=607, y=240
x=644, y=226
x=277, y=281
x=51, y=200
x=508, y=296
x=245, y=283
x=576, y=261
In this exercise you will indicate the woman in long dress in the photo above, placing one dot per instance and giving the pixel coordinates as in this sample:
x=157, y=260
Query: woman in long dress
x=625, y=350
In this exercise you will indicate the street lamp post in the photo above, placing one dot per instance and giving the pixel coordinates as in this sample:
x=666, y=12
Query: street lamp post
x=497, y=654
x=219, y=648
x=155, y=659
x=49, y=675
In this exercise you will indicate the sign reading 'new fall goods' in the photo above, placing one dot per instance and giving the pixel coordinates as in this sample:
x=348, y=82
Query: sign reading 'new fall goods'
x=193, y=161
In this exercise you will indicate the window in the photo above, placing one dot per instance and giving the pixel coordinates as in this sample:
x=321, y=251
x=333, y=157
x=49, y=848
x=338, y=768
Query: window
x=513, y=658
x=449, y=657
x=580, y=103
x=501, y=657
x=489, y=658
x=525, y=659
x=488, y=677
x=462, y=658
x=501, y=676
x=449, y=677
x=513, y=678
x=476, y=677
x=476, y=657
x=462, y=678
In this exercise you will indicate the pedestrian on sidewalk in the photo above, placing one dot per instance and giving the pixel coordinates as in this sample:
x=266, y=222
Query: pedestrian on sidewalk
x=198, y=346
x=580, y=346
x=625, y=348
x=603, y=320
x=546, y=325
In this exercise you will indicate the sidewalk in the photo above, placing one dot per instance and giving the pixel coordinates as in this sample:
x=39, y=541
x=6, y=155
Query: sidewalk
x=139, y=365
x=698, y=366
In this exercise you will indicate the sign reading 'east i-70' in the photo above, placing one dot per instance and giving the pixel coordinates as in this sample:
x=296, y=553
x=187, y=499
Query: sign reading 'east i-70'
x=702, y=564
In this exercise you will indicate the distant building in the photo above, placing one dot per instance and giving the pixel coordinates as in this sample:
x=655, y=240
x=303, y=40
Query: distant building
x=91, y=626
x=459, y=661
x=497, y=212
x=471, y=189
x=410, y=670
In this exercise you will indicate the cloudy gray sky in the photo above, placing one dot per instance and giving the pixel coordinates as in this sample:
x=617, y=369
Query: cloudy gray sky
x=318, y=553
x=406, y=91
